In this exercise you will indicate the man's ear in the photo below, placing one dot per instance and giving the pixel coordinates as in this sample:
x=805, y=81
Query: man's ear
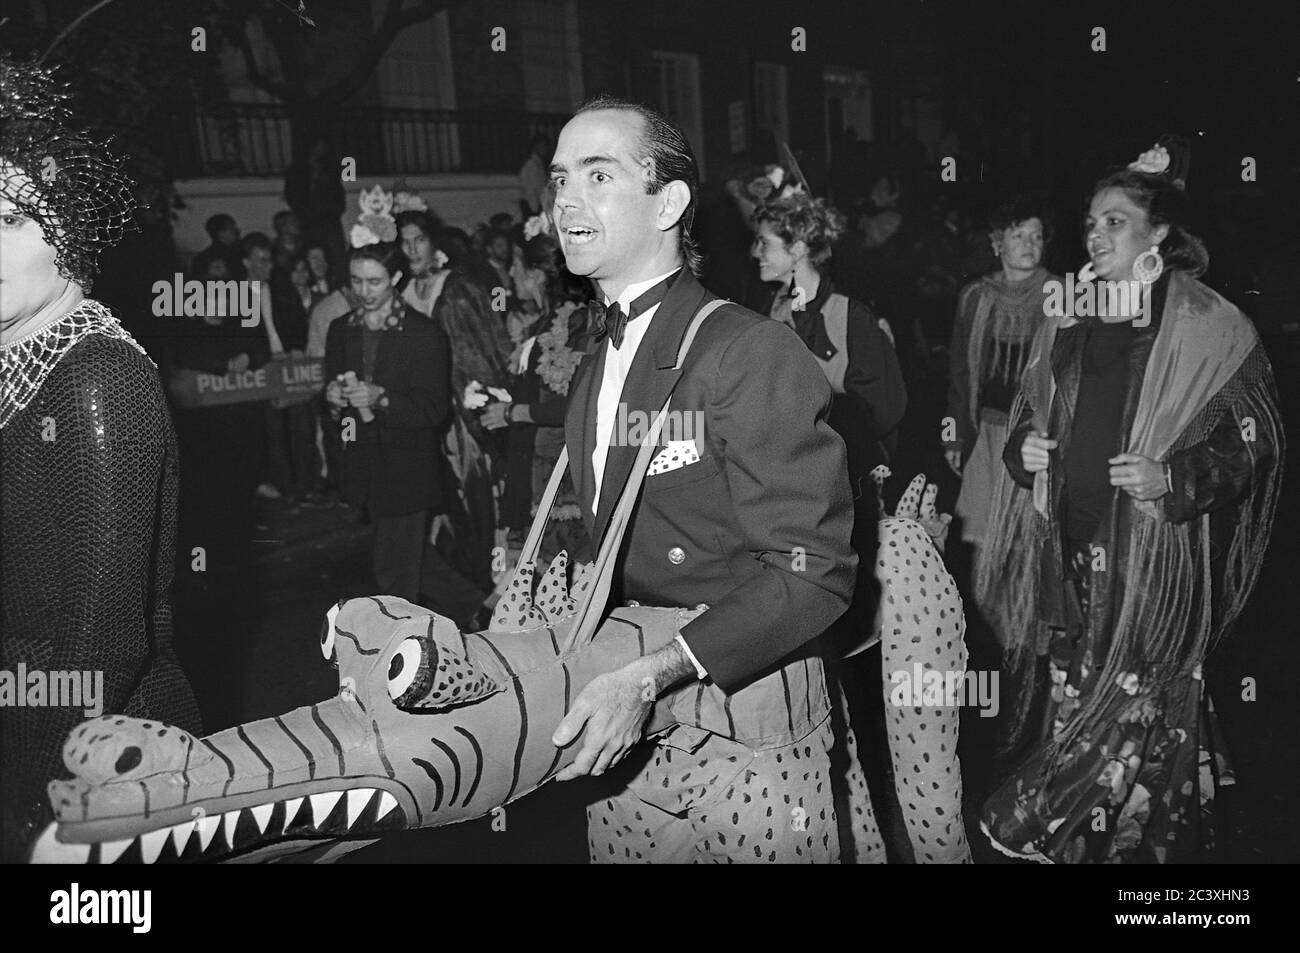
x=674, y=199
x=1159, y=234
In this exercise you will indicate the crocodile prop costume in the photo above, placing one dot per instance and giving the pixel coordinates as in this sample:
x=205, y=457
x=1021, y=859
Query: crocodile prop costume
x=432, y=726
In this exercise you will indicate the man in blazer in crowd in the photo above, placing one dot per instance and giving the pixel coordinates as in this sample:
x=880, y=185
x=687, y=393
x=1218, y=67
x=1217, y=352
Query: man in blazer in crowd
x=751, y=518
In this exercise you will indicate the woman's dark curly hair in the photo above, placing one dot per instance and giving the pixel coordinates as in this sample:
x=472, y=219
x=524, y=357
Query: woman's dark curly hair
x=1020, y=209
x=1165, y=204
x=800, y=218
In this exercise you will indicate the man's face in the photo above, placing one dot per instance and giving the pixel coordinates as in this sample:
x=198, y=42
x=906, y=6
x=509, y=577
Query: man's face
x=606, y=220
x=417, y=248
x=499, y=249
x=229, y=235
x=319, y=263
x=371, y=283
x=258, y=264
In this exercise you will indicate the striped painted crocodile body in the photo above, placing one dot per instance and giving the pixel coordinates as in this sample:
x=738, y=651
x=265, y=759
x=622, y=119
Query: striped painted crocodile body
x=430, y=726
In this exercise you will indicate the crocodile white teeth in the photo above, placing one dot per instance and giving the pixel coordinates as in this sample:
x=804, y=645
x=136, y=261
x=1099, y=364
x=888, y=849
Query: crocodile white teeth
x=111, y=850
x=262, y=814
x=322, y=804
x=386, y=803
x=228, y=825
x=207, y=826
x=358, y=798
x=291, y=810
x=181, y=836
x=151, y=844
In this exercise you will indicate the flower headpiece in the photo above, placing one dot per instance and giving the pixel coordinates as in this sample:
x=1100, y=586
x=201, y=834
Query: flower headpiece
x=63, y=178
x=404, y=200
x=1169, y=156
x=375, y=222
x=772, y=184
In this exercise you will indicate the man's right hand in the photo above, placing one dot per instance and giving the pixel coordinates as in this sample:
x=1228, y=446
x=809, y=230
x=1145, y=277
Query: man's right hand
x=1035, y=452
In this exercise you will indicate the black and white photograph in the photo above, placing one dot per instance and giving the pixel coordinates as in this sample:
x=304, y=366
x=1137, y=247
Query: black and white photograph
x=531, y=432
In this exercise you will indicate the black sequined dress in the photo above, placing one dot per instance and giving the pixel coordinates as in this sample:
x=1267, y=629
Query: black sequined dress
x=89, y=523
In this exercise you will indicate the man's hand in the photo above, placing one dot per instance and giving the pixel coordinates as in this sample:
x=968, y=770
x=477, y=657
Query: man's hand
x=953, y=457
x=237, y=364
x=334, y=395
x=363, y=394
x=1035, y=452
x=493, y=416
x=614, y=708
x=1140, y=477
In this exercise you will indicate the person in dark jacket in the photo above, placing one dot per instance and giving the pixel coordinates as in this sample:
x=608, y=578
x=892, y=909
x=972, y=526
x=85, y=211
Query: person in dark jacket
x=389, y=374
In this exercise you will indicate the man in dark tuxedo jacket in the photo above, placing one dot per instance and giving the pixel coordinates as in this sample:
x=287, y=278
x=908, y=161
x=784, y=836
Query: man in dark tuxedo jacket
x=751, y=515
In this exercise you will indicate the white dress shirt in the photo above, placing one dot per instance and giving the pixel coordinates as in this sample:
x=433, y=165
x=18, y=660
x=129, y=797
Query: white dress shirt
x=618, y=361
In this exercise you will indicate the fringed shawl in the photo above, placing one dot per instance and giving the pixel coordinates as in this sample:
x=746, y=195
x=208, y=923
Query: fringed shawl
x=1007, y=315
x=1206, y=361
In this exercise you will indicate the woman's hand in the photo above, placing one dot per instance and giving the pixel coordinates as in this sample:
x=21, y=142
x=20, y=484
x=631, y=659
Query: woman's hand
x=953, y=456
x=1140, y=477
x=1035, y=452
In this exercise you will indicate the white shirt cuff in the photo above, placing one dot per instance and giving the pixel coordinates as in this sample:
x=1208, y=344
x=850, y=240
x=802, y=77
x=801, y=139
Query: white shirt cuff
x=699, y=669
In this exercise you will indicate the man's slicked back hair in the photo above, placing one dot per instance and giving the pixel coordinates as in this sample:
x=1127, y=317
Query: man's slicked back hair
x=671, y=158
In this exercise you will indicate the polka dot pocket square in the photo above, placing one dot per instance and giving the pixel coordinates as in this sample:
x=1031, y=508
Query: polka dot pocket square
x=677, y=454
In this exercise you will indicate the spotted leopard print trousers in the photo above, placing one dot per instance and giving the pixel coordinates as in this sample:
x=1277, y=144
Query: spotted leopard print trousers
x=723, y=803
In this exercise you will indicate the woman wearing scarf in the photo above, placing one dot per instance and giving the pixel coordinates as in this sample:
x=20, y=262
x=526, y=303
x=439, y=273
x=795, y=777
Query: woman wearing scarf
x=1126, y=534
x=997, y=316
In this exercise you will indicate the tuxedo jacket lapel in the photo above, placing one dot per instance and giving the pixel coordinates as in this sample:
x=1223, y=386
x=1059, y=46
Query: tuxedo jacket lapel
x=649, y=381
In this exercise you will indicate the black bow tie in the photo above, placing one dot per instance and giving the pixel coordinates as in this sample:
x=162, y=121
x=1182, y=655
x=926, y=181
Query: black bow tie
x=612, y=321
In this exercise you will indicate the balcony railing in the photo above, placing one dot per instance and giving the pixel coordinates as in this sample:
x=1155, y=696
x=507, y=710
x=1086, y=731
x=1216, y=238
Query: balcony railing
x=255, y=139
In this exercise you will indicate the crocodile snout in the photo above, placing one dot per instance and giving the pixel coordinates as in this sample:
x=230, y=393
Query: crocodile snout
x=118, y=748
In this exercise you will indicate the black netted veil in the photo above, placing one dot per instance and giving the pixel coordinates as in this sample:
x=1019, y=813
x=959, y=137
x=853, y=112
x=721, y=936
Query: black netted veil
x=63, y=177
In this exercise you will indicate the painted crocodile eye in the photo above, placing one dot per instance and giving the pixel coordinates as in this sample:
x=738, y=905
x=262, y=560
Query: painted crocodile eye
x=327, y=631
x=403, y=667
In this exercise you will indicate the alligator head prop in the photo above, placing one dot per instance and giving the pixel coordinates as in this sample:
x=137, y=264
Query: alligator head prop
x=430, y=726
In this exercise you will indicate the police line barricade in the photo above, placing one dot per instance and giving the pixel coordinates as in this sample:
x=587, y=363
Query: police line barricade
x=284, y=381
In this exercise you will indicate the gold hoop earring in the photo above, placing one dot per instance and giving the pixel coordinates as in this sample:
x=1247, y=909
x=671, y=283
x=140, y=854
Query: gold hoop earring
x=1147, y=274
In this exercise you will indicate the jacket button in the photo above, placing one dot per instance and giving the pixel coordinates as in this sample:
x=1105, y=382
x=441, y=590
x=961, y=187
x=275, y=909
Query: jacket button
x=633, y=604
x=676, y=556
